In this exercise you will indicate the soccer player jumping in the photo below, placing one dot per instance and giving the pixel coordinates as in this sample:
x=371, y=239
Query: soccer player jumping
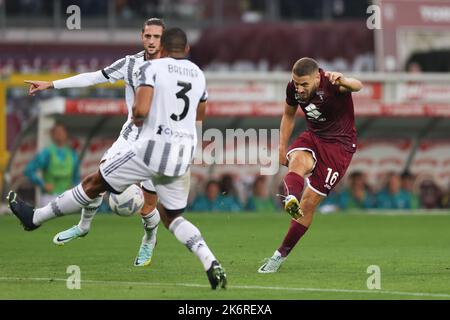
x=320, y=155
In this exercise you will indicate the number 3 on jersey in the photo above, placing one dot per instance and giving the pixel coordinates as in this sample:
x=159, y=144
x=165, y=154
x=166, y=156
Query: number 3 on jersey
x=185, y=87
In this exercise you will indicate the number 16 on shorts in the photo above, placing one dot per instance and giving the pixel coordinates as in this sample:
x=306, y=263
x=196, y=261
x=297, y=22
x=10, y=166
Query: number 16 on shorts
x=331, y=178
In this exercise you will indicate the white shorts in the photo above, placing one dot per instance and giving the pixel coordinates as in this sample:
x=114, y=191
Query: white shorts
x=118, y=145
x=173, y=194
x=125, y=168
x=128, y=135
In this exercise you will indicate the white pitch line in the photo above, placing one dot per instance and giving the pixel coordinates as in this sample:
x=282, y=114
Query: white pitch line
x=157, y=284
x=423, y=294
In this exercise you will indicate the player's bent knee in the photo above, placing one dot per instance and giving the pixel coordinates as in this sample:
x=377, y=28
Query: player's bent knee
x=301, y=162
x=93, y=185
x=166, y=222
x=170, y=215
x=150, y=200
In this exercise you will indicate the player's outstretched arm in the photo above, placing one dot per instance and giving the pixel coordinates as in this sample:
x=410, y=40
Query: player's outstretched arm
x=36, y=86
x=81, y=80
x=346, y=84
x=142, y=102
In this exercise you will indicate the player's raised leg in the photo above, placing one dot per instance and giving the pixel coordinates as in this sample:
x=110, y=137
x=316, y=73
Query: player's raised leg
x=301, y=163
x=83, y=226
x=88, y=213
x=71, y=201
x=150, y=219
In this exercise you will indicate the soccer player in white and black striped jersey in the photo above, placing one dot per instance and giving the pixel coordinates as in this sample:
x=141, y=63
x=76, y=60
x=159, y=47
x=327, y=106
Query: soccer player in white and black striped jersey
x=122, y=69
x=170, y=97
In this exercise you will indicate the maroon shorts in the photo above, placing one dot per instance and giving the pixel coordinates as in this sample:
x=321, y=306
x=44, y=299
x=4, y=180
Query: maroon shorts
x=331, y=161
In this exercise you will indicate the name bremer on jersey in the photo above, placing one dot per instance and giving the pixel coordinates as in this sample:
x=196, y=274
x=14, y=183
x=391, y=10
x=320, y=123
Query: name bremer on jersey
x=182, y=71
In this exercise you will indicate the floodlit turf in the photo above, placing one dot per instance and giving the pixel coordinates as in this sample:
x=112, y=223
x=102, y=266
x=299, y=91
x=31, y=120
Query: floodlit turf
x=331, y=261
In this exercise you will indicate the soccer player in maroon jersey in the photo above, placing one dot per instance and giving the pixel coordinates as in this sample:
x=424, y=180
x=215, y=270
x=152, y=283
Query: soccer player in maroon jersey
x=320, y=155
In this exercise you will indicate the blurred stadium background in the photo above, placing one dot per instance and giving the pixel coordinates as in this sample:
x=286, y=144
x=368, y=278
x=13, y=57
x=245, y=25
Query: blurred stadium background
x=247, y=48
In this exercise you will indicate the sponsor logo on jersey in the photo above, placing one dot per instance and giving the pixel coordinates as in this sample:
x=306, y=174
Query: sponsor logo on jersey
x=166, y=131
x=312, y=111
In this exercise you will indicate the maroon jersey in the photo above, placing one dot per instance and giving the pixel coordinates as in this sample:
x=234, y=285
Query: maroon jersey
x=329, y=113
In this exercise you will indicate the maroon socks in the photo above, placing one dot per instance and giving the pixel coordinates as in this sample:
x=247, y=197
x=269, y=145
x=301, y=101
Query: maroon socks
x=293, y=184
x=296, y=231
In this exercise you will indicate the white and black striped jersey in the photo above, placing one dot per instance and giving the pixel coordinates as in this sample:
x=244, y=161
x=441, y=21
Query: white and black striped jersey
x=123, y=69
x=169, y=132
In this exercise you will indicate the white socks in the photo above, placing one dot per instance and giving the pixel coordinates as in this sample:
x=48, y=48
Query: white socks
x=150, y=221
x=88, y=213
x=190, y=236
x=71, y=201
x=277, y=255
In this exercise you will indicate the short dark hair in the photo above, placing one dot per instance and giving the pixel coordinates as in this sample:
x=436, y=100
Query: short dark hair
x=174, y=40
x=154, y=22
x=56, y=125
x=305, y=67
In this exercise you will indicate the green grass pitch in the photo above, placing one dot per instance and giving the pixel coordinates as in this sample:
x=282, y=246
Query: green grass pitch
x=330, y=262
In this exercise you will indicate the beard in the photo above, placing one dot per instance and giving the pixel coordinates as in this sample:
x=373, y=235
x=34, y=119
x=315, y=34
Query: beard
x=312, y=93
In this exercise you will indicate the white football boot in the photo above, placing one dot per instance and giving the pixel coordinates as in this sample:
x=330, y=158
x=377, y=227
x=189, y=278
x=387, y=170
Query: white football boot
x=68, y=235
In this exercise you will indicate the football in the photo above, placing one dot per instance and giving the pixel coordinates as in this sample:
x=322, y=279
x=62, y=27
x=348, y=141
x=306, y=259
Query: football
x=130, y=201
